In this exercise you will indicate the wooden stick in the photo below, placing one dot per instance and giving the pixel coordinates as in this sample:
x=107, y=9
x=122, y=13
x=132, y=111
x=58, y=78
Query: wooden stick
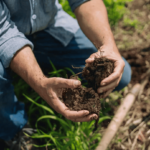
x=118, y=118
x=121, y=112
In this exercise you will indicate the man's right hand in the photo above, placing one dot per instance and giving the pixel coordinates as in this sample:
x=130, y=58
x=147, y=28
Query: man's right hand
x=52, y=89
x=26, y=66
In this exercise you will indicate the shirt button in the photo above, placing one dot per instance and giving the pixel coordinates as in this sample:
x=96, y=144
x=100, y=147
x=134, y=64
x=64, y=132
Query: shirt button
x=34, y=16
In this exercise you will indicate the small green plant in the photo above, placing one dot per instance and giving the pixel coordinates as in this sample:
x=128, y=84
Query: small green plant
x=129, y=22
x=116, y=9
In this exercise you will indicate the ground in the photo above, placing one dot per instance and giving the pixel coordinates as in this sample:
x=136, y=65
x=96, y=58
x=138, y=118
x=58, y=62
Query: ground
x=133, y=40
x=133, y=30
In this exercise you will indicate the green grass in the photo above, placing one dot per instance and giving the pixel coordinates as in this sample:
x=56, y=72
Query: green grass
x=116, y=9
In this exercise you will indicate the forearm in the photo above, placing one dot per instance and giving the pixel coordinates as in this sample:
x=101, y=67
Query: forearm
x=26, y=66
x=93, y=20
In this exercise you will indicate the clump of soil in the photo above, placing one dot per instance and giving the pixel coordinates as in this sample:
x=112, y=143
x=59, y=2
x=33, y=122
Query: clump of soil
x=82, y=99
x=87, y=98
x=95, y=72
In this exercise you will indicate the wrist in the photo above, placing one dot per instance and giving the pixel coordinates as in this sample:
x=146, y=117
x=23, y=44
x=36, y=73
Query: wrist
x=39, y=83
x=41, y=87
x=110, y=50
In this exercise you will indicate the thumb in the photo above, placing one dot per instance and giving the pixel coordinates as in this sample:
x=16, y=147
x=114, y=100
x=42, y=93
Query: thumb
x=91, y=58
x=68, y=83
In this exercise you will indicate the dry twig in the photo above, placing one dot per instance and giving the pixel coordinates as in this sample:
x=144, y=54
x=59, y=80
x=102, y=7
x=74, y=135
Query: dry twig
x=138, y=127
x=135, y=140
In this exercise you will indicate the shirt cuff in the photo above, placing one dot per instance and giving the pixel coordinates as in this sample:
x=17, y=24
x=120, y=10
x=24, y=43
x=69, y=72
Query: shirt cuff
x=75, y=3
x=10, y=47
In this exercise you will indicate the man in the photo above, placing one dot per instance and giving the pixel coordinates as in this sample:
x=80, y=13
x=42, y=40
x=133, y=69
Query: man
x=56, y=37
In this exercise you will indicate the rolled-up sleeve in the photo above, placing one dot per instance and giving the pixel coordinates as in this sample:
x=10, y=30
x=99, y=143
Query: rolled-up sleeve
x=75, y=3
x=11, y=40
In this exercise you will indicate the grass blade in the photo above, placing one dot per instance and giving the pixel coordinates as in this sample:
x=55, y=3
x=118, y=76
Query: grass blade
x=39, y=105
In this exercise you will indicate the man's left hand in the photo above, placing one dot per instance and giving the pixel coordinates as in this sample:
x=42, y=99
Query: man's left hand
x=110, y=83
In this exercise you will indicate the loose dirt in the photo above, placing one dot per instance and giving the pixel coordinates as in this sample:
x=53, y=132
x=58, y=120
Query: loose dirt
x=87, y=98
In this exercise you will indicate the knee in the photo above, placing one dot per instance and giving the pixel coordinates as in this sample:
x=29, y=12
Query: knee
x=127, y=73
x=126, y=76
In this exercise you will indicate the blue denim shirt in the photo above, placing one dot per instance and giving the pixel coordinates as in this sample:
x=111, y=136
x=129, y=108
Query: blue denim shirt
x=24, y=17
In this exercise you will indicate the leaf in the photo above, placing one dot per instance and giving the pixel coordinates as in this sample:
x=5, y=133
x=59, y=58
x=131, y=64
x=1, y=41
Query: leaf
x=39, y=105
x=43, y=145
x=55, y=118
x=104, y=118
x=54, y=68
x=70, y=70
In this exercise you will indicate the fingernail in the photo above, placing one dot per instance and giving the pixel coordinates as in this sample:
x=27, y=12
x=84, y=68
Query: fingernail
x=77, y=83
x=89, y=59
x=103, y=83
x=86, y=112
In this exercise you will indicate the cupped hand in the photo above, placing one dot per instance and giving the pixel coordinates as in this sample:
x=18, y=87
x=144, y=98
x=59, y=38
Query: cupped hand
x=52, y=90
x=111, y=82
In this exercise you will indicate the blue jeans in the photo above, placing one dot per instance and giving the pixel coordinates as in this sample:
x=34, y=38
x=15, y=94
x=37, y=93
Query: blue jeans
x=12, y=113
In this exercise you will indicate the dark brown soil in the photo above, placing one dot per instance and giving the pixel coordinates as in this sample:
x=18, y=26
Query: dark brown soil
x=82, y=99
x=97, y=71
x=87, y=98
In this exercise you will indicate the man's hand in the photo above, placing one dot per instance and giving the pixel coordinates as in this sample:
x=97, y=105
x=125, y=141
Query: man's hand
x=109, y=83
x=52, y=90
x=93, y=20
x=25, y=65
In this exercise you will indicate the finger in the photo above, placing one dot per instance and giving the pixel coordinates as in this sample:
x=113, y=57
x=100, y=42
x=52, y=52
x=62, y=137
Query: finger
x=73, y=115
x=92, y=57
x=108, y=87
x=86, y=118
x=67, y=83
x=76, y=116
x=108, y=92
x=89, y=60
x=114, y=76
x=64, y=110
